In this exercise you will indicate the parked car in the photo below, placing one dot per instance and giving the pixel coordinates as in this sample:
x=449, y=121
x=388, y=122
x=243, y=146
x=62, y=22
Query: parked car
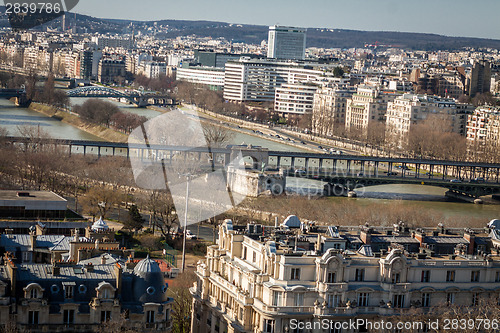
x=391, y=173
x=455, y=181
x=360, y=174
x=302, y=142
x=190, y=235
x=429, y=174
x=479, y=180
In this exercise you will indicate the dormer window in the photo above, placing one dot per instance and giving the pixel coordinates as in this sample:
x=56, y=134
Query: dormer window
x=33, y=293
x=105, y=291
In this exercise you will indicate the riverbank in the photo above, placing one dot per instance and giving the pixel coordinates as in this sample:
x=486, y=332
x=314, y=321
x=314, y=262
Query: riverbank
x=73, y=120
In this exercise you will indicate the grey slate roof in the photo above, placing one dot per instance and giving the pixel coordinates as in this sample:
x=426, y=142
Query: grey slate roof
x=394, y=239
x=445, y=240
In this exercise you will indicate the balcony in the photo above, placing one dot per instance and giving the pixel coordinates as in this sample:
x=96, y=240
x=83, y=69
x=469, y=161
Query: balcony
x=330, y=287
x=282, y=309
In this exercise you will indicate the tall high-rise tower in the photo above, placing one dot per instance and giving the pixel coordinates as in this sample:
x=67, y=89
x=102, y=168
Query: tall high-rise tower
x=480, y=78
x=286, y=43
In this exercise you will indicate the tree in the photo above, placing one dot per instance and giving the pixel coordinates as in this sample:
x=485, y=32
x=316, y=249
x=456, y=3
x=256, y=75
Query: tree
x=217, y=136
x=135, y=220
x=100, y=200
x=181, y=307
x=338, y=72
x=162, y=211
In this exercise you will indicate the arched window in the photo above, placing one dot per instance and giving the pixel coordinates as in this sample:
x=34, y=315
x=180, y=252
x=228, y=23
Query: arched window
x=33, y=293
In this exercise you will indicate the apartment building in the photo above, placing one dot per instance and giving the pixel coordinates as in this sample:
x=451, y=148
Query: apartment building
x=329, y=109
x=111, y=70
x=261, y=279
x=483, y=126
x=294, y=99
x=366, y=107
x=408, y=110
x=256, y=80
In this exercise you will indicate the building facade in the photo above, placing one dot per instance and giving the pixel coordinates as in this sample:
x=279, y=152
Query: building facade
x=294, y=99
x=483, y=126
x=211, y=77
x=263, y=280
x=408, y=110
x=329, y=110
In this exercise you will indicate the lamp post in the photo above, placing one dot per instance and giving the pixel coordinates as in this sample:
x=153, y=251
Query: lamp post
x=185, y=225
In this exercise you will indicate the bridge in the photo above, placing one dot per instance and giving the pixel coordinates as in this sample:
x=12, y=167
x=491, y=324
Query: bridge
x=18, y=94
x=138, y=98
x=346, y=172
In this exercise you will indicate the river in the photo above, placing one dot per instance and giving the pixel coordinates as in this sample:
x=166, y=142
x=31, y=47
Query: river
x=428, y=198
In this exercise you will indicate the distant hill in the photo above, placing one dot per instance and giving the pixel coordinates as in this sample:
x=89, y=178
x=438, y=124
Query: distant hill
x=254, y=34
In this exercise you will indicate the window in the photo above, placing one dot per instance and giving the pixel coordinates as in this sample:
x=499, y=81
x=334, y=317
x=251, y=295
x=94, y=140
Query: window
x=244, y=253
x=105, y=316
x=497, y=277
x=299, y=299
x=69, y=316
x=475, y=299
x=363, y=299
x=34, y=293
x=68, y=291
x=450, y=298
x=474, y=276
x=360, y=274
x=396, y=278
x=398, y=301
x=150, y=316
x=450, y=276
x=295, y=274
x=426, y=276
x=33, y=317
x=254, y=259
x=330, y=278
x=426, y=300
x=333, y=301
x=268, y=326
x=277, y=298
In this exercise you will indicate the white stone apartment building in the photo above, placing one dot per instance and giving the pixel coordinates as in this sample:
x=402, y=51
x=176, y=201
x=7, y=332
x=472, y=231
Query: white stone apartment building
x=213, y=77
x=260, y=280
x=366, y=107
x=329, y=109
x=408, y=110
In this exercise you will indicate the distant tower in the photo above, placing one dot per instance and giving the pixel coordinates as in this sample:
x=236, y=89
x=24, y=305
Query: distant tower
x=64, y=23
x=286, y=43
x=480, y=78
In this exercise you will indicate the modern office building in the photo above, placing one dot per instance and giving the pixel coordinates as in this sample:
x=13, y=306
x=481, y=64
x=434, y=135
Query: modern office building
x=212, y=77
x=294, y=99
x=286, y=43
x=257, y=80
x=262, y=279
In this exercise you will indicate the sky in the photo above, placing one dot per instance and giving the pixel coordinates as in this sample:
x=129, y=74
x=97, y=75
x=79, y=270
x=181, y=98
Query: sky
x=468, y=18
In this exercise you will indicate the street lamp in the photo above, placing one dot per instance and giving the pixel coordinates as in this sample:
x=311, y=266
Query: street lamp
x=188, y=176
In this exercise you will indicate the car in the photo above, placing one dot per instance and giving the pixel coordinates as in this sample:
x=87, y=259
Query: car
x=360, y=174
x=302, y=142
x=455, y=181
x=190, y=235
x=392, y=173
x=320, y=147
x=300, y=173
x=429, y=174
x=479, y=180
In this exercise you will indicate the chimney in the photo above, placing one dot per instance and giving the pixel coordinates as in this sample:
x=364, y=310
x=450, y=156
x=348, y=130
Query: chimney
x=33, y=241
x=89, y=267
x=420, y=236
x=366, y=236
x=118, y=273
x=9, y=231
x=470, y=237
x=276, y=222
x=56, y=270
x=97, y=244
x=77, y=235
x=103, y=259
x=12, y=269
x=318, y=243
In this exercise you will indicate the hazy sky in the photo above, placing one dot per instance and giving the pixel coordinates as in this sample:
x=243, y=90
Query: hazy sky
x=471, y=18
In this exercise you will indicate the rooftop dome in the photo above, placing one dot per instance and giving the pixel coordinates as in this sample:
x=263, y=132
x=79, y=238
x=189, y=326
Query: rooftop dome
x=147, y=266
x=494, y=223
x=100, y=225
x=292, y=221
